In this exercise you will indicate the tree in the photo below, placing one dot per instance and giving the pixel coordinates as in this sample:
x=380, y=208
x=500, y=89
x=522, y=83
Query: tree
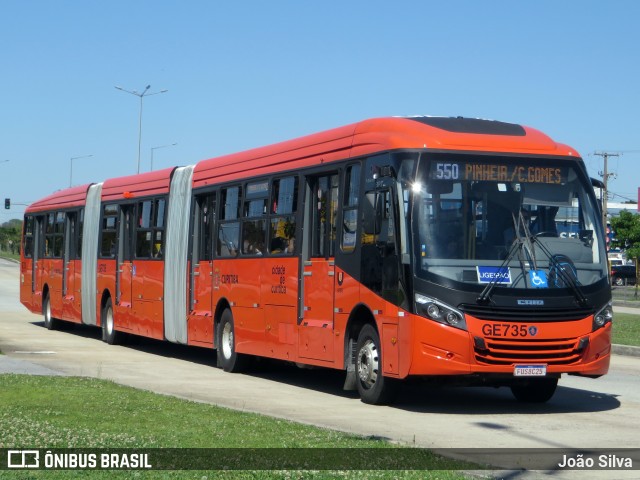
x=627, y=228
x=10, y=233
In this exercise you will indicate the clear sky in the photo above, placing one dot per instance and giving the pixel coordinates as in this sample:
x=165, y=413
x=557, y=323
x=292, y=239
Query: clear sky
x=243, y=74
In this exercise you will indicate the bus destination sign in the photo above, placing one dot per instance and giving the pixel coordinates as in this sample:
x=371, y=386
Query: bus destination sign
x=497, y=172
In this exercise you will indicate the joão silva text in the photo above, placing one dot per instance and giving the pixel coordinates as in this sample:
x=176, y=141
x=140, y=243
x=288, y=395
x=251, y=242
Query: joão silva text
x=604, y=461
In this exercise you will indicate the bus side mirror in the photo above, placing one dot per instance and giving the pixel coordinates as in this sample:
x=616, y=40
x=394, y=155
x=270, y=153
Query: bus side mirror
x=587, y=237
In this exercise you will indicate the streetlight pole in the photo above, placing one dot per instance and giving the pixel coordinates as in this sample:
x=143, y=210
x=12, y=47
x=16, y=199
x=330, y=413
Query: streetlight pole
x=141, y=96
x=71, y=167
x=155, y=148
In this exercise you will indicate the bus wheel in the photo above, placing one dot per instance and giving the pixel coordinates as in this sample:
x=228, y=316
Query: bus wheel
x=109, y=333
x=372, y=386
x=536, y=390
x=49, y=322
x=228, y=358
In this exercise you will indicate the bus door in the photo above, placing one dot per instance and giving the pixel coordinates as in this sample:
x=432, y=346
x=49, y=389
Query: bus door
x=315, y=333
x=38, y=251
x=125, y=268
x=380, y=260
x=201, y=270
x=50, y=270
x=29, y=261
x=70, y=299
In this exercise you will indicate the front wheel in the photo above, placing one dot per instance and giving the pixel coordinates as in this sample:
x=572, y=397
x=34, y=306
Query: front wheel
x=373, y=387
x=536, y=390
x=228, y=358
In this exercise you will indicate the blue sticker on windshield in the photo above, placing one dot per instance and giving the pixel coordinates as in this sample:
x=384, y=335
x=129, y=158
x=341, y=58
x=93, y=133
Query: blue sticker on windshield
x=538, y=279
x=494, y=274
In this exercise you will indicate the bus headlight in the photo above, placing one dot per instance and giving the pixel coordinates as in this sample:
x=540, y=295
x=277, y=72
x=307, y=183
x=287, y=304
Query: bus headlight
x=439, y=312
x=434, y=311
x=604, y=316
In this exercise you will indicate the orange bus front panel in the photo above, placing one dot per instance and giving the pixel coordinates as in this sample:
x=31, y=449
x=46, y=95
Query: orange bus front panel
x=496, y=346
x=438, y=349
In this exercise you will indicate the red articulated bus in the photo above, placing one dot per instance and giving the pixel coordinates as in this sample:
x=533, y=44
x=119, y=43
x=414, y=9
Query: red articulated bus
x=463, y=251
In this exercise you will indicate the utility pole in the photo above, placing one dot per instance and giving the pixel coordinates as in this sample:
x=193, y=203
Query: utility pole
x=605, y=179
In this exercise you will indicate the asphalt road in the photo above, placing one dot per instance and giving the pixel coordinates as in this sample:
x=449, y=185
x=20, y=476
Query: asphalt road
x=584, y=413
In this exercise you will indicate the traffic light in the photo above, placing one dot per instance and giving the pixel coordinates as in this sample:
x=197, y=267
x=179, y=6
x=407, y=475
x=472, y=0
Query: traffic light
x=7, y=203
x=610, y=237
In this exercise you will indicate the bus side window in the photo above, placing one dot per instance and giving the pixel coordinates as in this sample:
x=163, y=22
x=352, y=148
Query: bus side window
x=28, y=237
x=350, y=209
x=205, y=214
x=108, y=231
x=53, y=235
x=282, y=231
x=254, y=224
x=324, y=213
x=143, y=229
x=229, y=225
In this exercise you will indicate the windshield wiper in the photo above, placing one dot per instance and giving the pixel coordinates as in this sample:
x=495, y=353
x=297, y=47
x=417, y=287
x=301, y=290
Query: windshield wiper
x=567, y=278
x=525, y=242
x=485, y=296
x=518, y=244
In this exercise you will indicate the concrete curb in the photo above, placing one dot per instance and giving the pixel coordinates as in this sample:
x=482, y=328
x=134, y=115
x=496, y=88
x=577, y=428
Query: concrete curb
x=626, y=350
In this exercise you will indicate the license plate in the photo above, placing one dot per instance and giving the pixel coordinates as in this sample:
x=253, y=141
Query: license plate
x=530, y=371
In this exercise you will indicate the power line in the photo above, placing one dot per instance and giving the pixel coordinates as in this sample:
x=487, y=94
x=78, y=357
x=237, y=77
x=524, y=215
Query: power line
x=613, y=194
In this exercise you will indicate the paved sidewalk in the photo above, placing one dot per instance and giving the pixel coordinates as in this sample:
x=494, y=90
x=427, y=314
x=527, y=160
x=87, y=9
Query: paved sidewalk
x=17, y=365
x=631, y=310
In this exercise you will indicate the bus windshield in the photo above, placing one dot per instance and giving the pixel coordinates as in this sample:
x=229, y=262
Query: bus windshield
x=512, y=222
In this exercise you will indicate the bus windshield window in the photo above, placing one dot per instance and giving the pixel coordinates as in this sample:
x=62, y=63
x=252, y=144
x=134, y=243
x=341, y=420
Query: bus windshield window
x=473, y=213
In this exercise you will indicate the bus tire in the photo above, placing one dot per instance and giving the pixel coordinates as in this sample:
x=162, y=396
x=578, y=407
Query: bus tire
x=373, y=387
x=109, y=333
x=49, y=322
x=536, y=390
x=230, y=360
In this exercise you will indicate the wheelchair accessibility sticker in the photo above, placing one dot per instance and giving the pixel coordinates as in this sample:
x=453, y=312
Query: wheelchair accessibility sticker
x=538, y=279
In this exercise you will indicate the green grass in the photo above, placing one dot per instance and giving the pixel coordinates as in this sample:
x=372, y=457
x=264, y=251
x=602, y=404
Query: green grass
x=626, y=329
x=70, y=412
x=11, y=256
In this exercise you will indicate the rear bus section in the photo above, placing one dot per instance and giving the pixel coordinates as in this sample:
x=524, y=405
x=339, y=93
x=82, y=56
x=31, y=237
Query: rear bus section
x=51, y=256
